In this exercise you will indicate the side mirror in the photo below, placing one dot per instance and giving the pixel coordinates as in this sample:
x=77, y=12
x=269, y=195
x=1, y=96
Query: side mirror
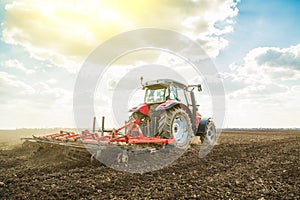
x=199, y=88
x=142, y=78
x=193, y=87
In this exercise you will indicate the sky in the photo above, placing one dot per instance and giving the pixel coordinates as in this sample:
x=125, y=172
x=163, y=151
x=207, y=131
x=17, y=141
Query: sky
x=255, y=45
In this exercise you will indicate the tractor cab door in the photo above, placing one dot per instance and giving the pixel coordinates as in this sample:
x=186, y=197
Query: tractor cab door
x=182, y=97
x=172, y=93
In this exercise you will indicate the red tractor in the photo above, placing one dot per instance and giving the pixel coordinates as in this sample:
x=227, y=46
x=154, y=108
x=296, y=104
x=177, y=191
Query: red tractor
x=170, y=111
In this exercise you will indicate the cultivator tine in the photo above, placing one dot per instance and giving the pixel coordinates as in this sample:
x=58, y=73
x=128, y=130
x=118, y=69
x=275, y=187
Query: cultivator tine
x=75, y=154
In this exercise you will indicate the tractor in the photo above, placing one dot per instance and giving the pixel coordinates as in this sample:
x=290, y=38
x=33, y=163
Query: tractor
x=170, y=111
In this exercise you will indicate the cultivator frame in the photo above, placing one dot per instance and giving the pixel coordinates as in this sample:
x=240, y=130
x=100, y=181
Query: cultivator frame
x=132, y=136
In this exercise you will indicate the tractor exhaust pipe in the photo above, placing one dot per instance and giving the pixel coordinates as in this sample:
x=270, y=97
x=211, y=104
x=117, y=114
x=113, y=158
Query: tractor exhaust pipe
x=102, y=126
x=94, y=124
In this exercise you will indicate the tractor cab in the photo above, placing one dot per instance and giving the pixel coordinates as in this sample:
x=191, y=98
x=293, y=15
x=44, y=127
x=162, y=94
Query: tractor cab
x=163, y=90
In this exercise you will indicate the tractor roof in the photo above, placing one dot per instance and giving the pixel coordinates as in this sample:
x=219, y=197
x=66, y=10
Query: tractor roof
x=161, y=83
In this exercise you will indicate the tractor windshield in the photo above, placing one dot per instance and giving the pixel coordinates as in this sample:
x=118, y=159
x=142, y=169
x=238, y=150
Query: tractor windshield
x=155, y=96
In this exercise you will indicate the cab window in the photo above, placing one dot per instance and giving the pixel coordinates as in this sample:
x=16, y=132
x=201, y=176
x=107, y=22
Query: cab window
x=155, y=96
x=181, y=96
x=173, y=93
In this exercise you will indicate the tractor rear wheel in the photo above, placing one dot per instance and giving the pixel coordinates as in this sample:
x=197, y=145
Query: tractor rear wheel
x=178, y=125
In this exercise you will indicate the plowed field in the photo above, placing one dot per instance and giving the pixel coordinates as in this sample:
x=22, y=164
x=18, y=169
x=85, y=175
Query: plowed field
x=244, y=165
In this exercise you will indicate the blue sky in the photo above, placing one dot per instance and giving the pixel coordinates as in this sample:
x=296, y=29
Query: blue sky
x=254, y=44
x=271, y=23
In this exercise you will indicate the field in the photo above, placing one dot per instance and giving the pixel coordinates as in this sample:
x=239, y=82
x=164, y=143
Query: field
x=252, y=164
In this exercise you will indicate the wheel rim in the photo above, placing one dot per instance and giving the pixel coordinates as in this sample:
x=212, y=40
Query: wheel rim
x=210, y=135
x=179, y=130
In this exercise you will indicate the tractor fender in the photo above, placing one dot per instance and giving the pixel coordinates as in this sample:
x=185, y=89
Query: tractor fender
x=142, y=108
x=170, y=104
x=203, y=125
x=167, y=105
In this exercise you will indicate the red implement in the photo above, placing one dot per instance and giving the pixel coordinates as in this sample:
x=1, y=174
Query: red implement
x=132, y=136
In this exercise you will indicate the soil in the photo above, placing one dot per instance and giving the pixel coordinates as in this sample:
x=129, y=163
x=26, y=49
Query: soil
x=244, y=165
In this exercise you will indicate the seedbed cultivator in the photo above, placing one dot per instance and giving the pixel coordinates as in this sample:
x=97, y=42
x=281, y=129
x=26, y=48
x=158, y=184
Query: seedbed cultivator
x=128, y=137
x=116, y=137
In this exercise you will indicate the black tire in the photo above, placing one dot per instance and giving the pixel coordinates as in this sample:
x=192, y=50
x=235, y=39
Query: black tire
x=209, y=137
x=178, y=125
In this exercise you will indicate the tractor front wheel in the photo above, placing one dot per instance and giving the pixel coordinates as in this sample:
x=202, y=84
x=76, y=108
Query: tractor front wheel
x=209, y=136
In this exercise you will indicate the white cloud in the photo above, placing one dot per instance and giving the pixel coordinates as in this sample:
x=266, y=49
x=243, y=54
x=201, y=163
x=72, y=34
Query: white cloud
x=264, y=86
x=51, y=81
x=35, y=105
x=258, y=92
x=40, y=93
x=296, y=89
x=267, y=65
x=288, y=58
x=65, y=32
x=51, y=96
x=11, y=87
x=13, y=63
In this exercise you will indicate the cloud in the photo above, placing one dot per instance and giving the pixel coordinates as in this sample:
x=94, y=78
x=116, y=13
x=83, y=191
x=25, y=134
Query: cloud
x=296, y=89
x=264, y=86
x=40, y=93
x=65, y=32
x=287, y=58
x=34, y=105
x=263, y=71
x=51, y=81
x=266, y=65
x=264, y=91
x=47, y=96
x=11, y=87
x=13, y=63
